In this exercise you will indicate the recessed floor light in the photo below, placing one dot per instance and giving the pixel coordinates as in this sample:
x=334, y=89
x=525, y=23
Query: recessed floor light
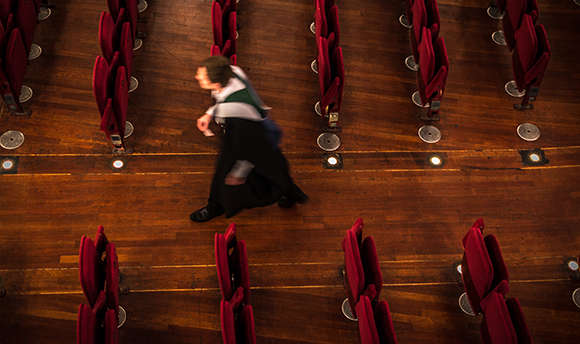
x=332, y=161
x=118, y=164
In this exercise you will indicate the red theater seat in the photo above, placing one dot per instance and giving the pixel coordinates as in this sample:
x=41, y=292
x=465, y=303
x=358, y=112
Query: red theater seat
x=26, y=19
x=517, y=317
x=100, y=79
x=111, y=330
x=483, y=268
x=512, y=20
x=217, y=24
x=121, y=98
x=86, y=325
x=112, y=278
x=530, y=58
x=92, y=274
x=354, y=272
x=433, y=71
x=232, y=264
x=496, y=326
x=370, y=263
x=15, y=64
x=109, y=122
x=114, y=8
x=375, y=323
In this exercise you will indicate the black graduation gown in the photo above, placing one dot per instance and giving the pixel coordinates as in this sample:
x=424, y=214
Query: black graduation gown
x=269, y=179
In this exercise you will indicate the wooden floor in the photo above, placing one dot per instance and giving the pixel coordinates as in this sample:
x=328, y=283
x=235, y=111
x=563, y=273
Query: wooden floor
x=417, y=215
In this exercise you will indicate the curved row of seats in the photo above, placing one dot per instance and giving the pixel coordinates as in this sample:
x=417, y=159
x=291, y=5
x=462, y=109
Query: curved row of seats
x=329, y=63
x=429, y=56
x=18, y=20
x=237, y=316
x=112, y=72
x=224, y=28
x=486, y=282
x=98, y=320
x=530, y=48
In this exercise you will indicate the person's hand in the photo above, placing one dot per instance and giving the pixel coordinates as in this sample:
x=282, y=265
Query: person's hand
x=233, y=181
x=203, y=122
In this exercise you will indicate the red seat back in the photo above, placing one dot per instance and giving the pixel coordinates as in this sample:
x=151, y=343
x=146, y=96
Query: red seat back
x=90, y=270
x=217, y=23
x=126, y=49
x=333, y=26
x=86, y=325
x=109, y=122
x=106, y=34
x=111, y=330
x=355, y=278
x=114, y=8
x=112, y=274
x=384, y=324
x=517, y=317
x=133, y=14
x=497, y=327
x=121, y=99
x=366, y=322
x=26, y=19
x=15, y=62
x=477, y=270
x=371, y=266
x=100, y=78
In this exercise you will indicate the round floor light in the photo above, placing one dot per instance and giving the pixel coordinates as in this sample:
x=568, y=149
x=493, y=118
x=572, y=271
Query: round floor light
x=7, y=164
x=534, y=157
x=118, y=164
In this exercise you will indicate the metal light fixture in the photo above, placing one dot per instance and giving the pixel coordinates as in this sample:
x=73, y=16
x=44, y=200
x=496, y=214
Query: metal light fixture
x=117, y=164
x=332, y=161
x=534, y=157
x=435, y=160
x=8, y=165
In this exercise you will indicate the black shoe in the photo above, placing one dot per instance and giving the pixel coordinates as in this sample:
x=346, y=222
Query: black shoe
x=285, y=202
x=205, y=214
x=298, y=197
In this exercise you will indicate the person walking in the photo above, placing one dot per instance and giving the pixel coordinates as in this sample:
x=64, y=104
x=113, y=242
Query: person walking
x=251, y=170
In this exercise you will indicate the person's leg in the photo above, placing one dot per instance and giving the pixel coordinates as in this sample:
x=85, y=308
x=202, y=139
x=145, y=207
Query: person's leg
x=213, y=207
x=291, y=193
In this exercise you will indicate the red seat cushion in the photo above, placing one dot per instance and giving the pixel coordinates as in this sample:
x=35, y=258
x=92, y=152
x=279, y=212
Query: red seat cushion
x=16, y=60
x=112, y=273
x=477, y=269
x=247, y=325
x=126, y=48
x=371, y=266
x=106, y=34
x=227, y=322
x=86, y=325
x=366, y=322
x=217, y=23
x=133, y=15
x=519, y=322
x=90, y=270
x=100, y=77
x=26, y=19
x=109, y=121
x=354, y=279
x=496, y=327
x=111, y=330
x=121, y=99
x=384, y=323
x=222, y=266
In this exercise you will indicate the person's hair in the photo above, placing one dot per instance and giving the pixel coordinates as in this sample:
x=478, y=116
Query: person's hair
x=218, y=69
